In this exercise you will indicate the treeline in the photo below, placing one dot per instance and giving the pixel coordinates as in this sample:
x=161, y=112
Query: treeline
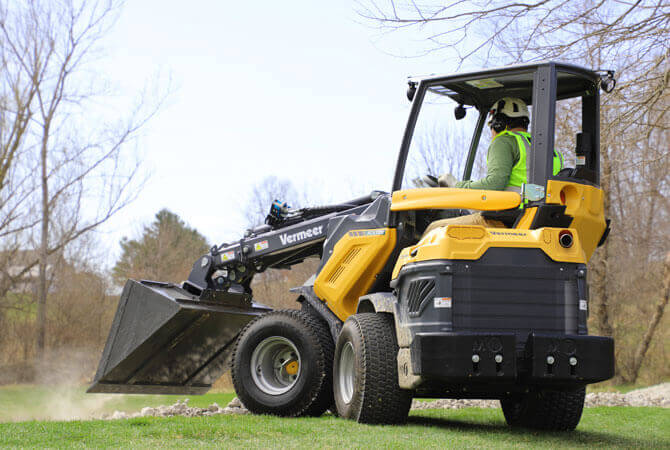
x=82, y=301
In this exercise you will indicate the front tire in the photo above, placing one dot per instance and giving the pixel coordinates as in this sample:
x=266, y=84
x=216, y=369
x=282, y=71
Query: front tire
x=545, y=409
x=282, y=365
x=365, y=372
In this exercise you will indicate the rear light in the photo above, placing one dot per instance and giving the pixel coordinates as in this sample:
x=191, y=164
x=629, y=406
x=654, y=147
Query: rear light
x=565, y=239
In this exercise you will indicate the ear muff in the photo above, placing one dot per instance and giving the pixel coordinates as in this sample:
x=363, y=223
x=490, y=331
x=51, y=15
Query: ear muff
x=499, y=120
x=499, y=123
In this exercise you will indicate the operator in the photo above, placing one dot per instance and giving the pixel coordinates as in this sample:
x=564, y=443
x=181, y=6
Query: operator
x=505, y=161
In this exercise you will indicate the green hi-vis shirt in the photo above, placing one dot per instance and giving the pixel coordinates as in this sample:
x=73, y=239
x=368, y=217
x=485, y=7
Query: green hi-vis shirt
x=503, y=156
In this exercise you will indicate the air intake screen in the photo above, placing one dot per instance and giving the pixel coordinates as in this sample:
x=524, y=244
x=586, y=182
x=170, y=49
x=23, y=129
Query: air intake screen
x=417, y=292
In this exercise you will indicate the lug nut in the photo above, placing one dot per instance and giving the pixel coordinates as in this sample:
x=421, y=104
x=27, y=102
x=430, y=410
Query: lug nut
x=498, y=358
x=550, y=360
x=475, y=359
x=573, y=361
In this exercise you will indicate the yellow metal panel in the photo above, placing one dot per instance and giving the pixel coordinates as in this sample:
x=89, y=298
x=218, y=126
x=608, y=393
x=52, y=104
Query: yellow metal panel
x=585, y=204
x=447, y=198
x=350, y=271
x=443, y=243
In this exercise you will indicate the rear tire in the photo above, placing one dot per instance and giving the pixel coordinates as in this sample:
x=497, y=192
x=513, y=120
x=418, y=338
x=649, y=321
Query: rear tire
x=282, y=365
x=365, y=375
x=545, y=409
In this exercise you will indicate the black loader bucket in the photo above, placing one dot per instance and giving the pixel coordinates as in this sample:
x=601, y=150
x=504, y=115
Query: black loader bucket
x=166, y=341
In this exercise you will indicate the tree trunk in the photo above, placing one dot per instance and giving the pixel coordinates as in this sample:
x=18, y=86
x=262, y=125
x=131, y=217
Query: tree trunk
x=43, y=252
x=600, y=282
x=653, y=324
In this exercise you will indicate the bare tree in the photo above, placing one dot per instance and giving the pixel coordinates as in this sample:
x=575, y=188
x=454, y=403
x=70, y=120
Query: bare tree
x=659, y=310
x=82, y=155
x=439, y=149
x=267, y=191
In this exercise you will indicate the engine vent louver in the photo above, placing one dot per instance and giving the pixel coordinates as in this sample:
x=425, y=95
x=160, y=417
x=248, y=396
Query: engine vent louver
x=346, y=261
x=417, y=292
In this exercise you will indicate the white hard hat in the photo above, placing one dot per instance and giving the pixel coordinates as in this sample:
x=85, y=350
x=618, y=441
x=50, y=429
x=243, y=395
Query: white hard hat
x=511, y=107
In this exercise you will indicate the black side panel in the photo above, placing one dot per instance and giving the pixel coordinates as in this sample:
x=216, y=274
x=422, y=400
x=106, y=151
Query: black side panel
x=550, y=216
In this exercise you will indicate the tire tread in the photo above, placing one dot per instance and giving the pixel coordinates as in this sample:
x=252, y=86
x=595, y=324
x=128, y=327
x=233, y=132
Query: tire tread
x=546, y=409
x=320, y=393
x=383, y=400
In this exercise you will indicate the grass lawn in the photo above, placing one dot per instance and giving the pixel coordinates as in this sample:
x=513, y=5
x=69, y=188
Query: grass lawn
x=467, y=428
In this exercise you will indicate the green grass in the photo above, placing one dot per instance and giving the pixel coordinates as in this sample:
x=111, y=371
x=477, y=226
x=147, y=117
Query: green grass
x=45, y=402
x=467, y=428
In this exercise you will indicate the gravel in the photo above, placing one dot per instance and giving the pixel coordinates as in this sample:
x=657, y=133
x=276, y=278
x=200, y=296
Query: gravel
x=658, y=395
x=181, y=408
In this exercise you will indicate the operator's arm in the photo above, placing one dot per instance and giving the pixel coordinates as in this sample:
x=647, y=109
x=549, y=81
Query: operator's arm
x=500, y=160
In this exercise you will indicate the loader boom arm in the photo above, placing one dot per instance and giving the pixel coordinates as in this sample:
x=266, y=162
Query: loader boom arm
x=231, y=267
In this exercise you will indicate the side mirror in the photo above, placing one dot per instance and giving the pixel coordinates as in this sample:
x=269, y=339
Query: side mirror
x=411, y=90
x=607, y=81
x=459, y=112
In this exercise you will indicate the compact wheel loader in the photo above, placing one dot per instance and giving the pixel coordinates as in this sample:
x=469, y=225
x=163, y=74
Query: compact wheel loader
x=393, y=312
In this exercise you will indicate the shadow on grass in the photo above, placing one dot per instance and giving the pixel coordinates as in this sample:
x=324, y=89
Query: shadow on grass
x=577, y=437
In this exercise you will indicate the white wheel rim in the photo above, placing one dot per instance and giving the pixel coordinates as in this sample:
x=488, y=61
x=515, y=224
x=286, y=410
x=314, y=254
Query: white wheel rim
x=273, y=365
x=347, y=372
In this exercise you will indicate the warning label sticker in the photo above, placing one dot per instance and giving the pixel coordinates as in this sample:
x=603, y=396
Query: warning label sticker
x=442, y=302
x=227, y=256
x=484, y=83
x=262, y=245
x=367, y=233
x=583, y=305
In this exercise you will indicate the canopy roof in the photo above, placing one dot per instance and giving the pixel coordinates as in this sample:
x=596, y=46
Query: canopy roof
x=482, y=88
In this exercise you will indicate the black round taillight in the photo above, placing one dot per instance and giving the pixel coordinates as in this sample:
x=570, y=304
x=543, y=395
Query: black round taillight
x=565, y=239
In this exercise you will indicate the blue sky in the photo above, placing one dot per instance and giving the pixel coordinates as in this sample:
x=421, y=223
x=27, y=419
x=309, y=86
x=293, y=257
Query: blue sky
x=296, y=89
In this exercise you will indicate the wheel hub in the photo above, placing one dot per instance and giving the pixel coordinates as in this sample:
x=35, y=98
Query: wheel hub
x=346, y=373
x=275, y=365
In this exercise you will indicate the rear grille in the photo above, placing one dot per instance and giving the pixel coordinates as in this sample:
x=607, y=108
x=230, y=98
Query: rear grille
x=417, y=292
x=508, y=290
x=541, y=304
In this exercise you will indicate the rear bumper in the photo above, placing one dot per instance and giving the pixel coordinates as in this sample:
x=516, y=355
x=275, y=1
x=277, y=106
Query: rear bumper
x=546, y=359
